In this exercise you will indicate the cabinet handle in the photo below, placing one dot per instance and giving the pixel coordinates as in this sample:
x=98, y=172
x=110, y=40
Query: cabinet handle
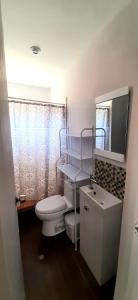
x=86, y=207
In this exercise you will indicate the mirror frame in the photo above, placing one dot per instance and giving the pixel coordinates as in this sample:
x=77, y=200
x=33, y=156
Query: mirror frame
x=106, y=97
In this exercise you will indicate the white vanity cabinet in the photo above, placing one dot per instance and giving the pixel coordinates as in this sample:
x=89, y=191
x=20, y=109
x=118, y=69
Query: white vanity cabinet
x=99, y=235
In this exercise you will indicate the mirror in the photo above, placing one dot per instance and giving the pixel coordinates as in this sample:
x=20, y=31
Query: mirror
x=112, y=112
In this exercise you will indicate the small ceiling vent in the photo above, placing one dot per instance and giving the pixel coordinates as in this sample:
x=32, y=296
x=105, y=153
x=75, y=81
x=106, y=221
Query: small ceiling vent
x=35, y=49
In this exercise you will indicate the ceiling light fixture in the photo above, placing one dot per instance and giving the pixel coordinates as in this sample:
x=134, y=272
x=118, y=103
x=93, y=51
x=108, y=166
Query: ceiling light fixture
x=35, y=49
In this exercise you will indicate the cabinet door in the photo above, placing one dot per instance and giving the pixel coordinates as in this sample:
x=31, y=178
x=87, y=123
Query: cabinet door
x=91, y=236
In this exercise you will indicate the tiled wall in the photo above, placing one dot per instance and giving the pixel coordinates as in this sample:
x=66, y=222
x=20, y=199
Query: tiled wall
x=111, y=178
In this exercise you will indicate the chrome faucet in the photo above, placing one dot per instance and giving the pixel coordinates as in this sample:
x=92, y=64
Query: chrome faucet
x=92, y=181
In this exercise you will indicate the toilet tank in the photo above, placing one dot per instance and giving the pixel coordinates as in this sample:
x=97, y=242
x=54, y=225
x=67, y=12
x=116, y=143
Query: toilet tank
x=68, y=192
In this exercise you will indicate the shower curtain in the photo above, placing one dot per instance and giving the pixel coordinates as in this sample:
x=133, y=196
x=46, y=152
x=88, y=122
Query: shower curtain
x=102, y=121
x=35, y=142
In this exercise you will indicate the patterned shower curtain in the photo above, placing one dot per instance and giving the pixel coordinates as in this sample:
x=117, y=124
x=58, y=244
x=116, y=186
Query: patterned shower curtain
x=35, y=142
x=102, y=121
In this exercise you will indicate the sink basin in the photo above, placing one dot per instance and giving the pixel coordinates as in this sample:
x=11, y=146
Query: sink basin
x=100, y=197
x=96, y=197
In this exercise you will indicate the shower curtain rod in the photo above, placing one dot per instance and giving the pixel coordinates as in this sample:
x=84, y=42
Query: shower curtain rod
x=34, y=102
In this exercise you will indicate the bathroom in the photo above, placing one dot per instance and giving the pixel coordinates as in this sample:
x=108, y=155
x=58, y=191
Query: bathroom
x=87, y=55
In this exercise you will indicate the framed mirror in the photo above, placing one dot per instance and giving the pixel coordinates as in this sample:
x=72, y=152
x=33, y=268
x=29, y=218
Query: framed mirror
x=112, y=112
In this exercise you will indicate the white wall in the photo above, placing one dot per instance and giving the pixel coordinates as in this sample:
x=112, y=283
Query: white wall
x=111, y=62
x=108, y=63
x=29, y=92
x=11, y=280
x=54, y=94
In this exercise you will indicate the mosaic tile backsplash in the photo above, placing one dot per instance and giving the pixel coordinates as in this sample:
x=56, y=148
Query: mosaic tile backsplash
x=110, y=177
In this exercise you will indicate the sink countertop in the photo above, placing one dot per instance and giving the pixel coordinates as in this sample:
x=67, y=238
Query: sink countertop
x=100, y=197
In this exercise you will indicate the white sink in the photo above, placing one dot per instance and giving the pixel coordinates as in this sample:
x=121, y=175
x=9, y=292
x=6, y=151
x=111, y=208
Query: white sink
x=100, y=223
x=100, y=197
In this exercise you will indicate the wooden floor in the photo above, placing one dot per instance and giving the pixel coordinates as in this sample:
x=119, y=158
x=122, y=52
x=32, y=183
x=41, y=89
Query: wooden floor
x=62, y=274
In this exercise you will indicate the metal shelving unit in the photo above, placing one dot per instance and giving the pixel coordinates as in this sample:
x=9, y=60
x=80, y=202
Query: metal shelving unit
x=76, y=174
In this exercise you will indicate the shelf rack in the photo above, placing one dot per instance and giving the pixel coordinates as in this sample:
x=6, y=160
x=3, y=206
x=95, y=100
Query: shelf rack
x=76, y=154
x=77, y=175
x=73, y=173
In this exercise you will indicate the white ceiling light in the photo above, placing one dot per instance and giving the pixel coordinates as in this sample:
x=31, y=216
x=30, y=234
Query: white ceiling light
x=35, y=49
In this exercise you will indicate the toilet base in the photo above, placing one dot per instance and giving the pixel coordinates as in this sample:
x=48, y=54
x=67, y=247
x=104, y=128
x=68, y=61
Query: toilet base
x=53, y=227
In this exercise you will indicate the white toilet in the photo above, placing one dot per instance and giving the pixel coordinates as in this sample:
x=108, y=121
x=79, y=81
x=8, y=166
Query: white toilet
x=51, y=210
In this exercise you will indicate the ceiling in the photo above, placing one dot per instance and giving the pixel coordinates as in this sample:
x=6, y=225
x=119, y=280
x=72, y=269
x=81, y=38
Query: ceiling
x=62, y=28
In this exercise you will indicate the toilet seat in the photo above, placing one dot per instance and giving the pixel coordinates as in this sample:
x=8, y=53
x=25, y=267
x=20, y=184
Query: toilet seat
x=51, y=211
x=51, y=204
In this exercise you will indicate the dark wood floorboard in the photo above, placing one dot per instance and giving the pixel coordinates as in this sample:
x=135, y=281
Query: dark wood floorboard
x=62, y=274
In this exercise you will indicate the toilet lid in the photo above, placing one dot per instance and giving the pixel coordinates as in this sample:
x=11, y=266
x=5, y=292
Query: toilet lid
x=51, y=204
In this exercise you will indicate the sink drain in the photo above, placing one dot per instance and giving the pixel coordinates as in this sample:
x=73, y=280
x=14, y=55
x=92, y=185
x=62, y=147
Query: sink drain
x=41, y=257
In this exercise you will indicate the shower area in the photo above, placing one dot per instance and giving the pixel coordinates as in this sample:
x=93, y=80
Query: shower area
x=35, y=129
